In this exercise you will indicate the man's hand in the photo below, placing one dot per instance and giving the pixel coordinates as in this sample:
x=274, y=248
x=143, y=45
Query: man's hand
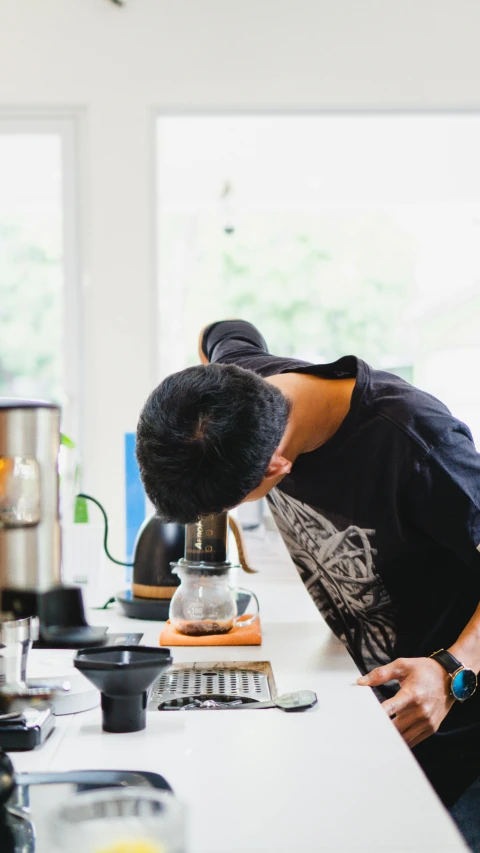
x=423, y=700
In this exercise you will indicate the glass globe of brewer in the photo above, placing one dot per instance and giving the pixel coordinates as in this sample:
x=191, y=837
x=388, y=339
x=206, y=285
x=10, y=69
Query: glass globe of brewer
x=204, y=602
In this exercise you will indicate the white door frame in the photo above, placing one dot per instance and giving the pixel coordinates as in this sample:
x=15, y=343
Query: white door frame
x=69, y=125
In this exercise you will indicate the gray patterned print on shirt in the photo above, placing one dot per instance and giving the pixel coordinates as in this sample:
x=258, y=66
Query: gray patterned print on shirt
x=337, y=568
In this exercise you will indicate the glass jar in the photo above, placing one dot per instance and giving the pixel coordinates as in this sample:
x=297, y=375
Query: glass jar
x=205, y=603
x=116, y=820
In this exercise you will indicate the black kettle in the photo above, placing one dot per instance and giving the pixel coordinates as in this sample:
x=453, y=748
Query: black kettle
x=158, y=544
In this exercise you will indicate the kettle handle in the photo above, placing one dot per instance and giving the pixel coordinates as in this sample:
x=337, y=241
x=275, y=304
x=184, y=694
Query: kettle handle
x=237, y=531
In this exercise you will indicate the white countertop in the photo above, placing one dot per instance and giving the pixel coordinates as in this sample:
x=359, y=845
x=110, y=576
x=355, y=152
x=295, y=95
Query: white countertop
x=335, y=778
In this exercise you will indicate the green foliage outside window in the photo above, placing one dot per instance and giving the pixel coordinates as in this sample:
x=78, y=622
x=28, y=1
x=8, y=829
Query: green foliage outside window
x=318, y=285
x=30, y=310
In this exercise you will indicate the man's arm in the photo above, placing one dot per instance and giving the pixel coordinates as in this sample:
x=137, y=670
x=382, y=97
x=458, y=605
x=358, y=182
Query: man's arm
x=424, y=698
x=239, y=342
x=467, y=648
x=203, y=358
x=444, y=500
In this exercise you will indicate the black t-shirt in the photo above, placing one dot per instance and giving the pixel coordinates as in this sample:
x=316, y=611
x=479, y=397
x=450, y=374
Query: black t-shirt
x=383, y=520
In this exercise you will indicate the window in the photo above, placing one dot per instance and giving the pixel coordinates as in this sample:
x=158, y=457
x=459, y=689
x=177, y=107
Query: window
x=39, y=316
x=335, y=234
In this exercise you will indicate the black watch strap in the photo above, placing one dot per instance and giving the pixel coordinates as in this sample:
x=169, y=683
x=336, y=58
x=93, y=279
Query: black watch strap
x=448, y=661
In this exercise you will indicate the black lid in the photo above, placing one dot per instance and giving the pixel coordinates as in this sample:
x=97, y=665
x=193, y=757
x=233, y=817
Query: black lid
x=20, y=403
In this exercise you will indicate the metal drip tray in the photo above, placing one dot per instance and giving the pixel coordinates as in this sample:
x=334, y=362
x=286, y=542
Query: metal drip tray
x=227, y=681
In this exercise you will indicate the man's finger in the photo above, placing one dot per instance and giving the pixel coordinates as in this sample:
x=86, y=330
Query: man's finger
x=397, y=703
x=397, y=669
x=416, y=733
x=406, y=720
x=419, y=739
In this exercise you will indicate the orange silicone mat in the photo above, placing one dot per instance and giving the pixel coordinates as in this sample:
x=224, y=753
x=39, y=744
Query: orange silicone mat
x=251, y=635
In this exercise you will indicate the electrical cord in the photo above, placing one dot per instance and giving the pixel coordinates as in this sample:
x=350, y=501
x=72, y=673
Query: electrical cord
x=105, y=537
x=107, y=604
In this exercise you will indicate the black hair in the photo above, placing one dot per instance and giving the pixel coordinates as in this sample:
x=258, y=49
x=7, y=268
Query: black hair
x=205, y=438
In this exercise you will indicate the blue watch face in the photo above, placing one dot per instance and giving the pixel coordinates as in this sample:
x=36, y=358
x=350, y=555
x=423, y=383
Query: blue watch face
x=464, y=684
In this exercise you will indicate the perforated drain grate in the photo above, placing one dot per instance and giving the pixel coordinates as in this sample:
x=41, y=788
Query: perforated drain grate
x=249, y=682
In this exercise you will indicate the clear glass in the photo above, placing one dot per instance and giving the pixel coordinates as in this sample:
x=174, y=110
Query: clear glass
x=114, y=820
x=368, y=226
x=205, y=603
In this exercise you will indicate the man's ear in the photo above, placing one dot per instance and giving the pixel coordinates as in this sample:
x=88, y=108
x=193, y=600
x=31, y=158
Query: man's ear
x=278, y=466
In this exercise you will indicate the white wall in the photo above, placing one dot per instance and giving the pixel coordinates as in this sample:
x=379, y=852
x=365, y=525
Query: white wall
x=118, y=64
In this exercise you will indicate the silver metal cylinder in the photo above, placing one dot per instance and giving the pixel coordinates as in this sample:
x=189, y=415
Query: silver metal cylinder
x=30, y=538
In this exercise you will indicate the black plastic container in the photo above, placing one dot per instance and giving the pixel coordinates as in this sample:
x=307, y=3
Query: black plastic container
x=61, y=614
x=206, y=539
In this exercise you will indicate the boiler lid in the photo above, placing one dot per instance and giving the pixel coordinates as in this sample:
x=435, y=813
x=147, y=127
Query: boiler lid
x=20, y=403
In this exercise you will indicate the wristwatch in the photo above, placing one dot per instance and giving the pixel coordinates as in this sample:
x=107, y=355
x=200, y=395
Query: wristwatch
x=463, y=681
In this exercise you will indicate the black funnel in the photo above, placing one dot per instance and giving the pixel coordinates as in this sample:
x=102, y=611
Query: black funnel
x=123, y=675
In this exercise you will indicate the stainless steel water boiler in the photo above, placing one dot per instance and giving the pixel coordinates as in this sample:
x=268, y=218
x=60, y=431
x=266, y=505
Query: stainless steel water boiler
x=30, y=534
x=29, y=516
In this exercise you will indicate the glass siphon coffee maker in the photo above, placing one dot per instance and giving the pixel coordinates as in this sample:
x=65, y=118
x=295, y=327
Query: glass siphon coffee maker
x=205, y=603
